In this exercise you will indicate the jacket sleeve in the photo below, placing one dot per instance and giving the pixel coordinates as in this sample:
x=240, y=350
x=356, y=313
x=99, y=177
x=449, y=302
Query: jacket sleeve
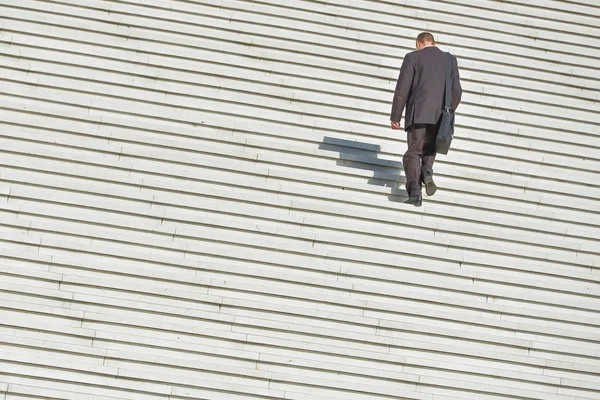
x=456, y=88
x=403, y=86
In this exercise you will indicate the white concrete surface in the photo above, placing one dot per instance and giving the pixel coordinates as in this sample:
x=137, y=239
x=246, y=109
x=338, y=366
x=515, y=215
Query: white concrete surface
x=203, y=200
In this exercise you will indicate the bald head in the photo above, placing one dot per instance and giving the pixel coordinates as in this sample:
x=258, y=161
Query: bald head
x=425, y=39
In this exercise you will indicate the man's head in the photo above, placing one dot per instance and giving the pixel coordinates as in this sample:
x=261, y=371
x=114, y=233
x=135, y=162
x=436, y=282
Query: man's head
x=425, y=39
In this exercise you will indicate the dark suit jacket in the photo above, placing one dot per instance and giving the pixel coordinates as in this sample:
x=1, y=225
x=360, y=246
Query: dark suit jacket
x=421, y=85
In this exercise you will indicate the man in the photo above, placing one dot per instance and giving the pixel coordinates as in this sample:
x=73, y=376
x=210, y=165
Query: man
x=420, y=88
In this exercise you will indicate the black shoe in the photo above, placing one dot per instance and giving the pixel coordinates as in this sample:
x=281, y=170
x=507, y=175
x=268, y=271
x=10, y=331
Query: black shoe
x=430, y=186
x=416, y=201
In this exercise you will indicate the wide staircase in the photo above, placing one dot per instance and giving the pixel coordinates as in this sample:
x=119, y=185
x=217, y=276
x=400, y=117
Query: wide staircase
x=202, y=199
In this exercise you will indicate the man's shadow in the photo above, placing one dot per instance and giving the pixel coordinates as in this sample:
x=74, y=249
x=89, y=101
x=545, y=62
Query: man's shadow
x=364, y=156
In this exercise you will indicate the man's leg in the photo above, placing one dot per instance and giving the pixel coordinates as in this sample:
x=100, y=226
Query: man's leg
x=428, y=159
x=429, y=149
x=415, y=137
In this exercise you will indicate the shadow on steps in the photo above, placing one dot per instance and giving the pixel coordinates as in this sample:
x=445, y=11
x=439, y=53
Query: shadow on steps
x=365, y=156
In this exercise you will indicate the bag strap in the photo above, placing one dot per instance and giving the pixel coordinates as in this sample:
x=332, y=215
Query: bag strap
x=447, y=99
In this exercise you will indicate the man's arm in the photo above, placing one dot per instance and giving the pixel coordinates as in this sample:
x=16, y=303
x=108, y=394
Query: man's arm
x=403, y=86
x=456, y=88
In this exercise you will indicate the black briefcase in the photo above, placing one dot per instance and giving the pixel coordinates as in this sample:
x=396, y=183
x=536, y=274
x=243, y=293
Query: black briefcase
x=446, y=124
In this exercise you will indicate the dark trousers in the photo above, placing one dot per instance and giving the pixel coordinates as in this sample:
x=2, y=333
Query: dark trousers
x=420, y=155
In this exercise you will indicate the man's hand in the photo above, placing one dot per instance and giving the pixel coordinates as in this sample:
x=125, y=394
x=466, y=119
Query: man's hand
x=396, y=125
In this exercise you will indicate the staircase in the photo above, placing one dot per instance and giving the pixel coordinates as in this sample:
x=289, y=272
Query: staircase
x=202, y=199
